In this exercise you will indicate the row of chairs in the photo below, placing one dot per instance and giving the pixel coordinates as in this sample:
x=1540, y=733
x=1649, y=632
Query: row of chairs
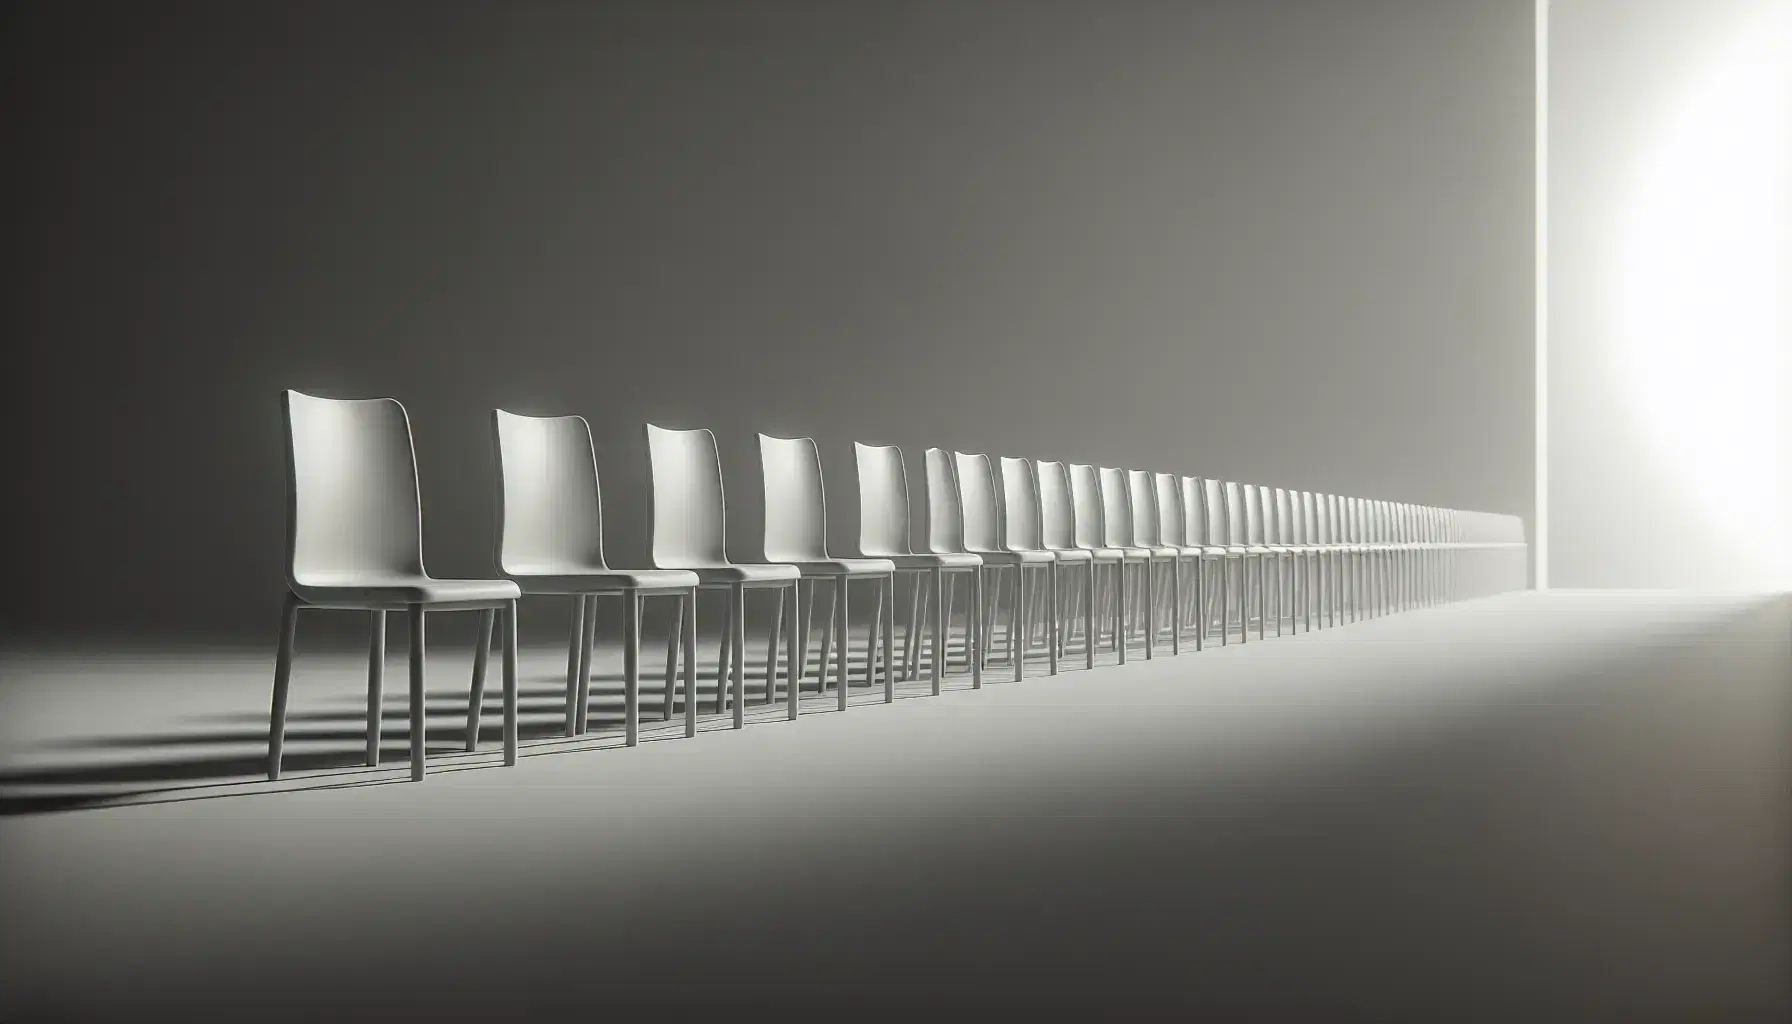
x=1138, y=548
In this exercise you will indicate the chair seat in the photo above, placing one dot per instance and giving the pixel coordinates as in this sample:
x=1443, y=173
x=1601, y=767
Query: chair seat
x=1258, y=549
x=847, y=567
x=366, y=590
x=1105, y=554
x=567, y=580
x=936, y=560
x=1071, y=554
x=732, y=572
x=1037, y=556
x=1163, y=551
x=1218, y=551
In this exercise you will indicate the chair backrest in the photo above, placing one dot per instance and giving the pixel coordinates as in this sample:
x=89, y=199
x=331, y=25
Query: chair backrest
x=1287, y=526
x=883, y=500
x=1147, y=531
x=977, y=492
x=1253, y=514
x=1194, y=512
x=1085, y=494
x=550, y=516
x=1116, y=511
x=1216, y=505
x=1309, y=519
x=945, y=512
x=1275, y=516
x=1172, y=528
x=796, y=509
x=686, y=509
x=1021, y=513
x=1057, y=508
x=352, y=498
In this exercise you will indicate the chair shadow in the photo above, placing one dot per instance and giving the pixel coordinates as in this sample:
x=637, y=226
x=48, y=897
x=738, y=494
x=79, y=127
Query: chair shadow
x=220, y=762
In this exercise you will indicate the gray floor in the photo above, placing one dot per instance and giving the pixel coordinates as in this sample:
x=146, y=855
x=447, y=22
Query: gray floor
x=1571, y=806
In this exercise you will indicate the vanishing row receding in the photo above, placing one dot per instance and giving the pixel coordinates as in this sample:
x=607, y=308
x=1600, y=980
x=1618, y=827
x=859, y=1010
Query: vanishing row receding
x=1088, y=558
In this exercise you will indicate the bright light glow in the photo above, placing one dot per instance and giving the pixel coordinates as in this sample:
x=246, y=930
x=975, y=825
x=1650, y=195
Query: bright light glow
x=1699, y=294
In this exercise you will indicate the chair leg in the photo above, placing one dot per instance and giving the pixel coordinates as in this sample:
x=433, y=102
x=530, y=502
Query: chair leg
x=941, y=623
x=690, y=664
x=418, y=711
x=827, y=636
x=1051, y=600
x=1176, y=606
x=806, y=601
x=672, y=637
x=973, y=628
x=738, y=630
x=573, y=662
x=793, y=632
x=482, y=652
x=771, y=650
x=842, y=621
x=586, y=647
x=889, y=609
x=913, y=633
x=1122, y=625
x=289, y=622
x=511, y=715
x=1089, y=616
x=874, y=634
x=1150, y=609
x=1019, y=628
x=376, y=685
x=725, y=652
x=948, y=596
x=631, y=668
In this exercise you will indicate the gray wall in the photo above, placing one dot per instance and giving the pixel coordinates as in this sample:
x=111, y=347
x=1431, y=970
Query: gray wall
x=1670, y=232
x=1287, y=242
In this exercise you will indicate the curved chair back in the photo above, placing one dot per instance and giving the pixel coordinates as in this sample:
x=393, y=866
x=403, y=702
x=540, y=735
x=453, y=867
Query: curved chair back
x=883, y=500
x=1172, y=527
x=1142, y=500
x=1021, y=514
x=1309, y=519
x=796, y=509
x=1116, y=513
x=1253, y=514
x=1194, y=511
x=1216, y=506
x=686, y=509
x=945, y=512
x=1085, y=493
x=550, y=518
x=1057, y=508
x=1287, y=527
x=977, y=492
x=352, y=505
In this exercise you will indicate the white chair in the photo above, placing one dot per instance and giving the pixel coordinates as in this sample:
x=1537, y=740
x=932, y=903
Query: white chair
x=884, y=533
x=1147, y=534
x=1058, y=524
x=551, y=542
x=1091, y=535
x=354, y=542
x=945, y=533
x=1278, y=539
x=796, y=519
x=983, y=536
x=1172, y=524
x=1250, y=522
x=1116, y=518
x=1023, y=534
x=1200, y=534
x=1298, y=544
x=1224, y=512
x=687, y=528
